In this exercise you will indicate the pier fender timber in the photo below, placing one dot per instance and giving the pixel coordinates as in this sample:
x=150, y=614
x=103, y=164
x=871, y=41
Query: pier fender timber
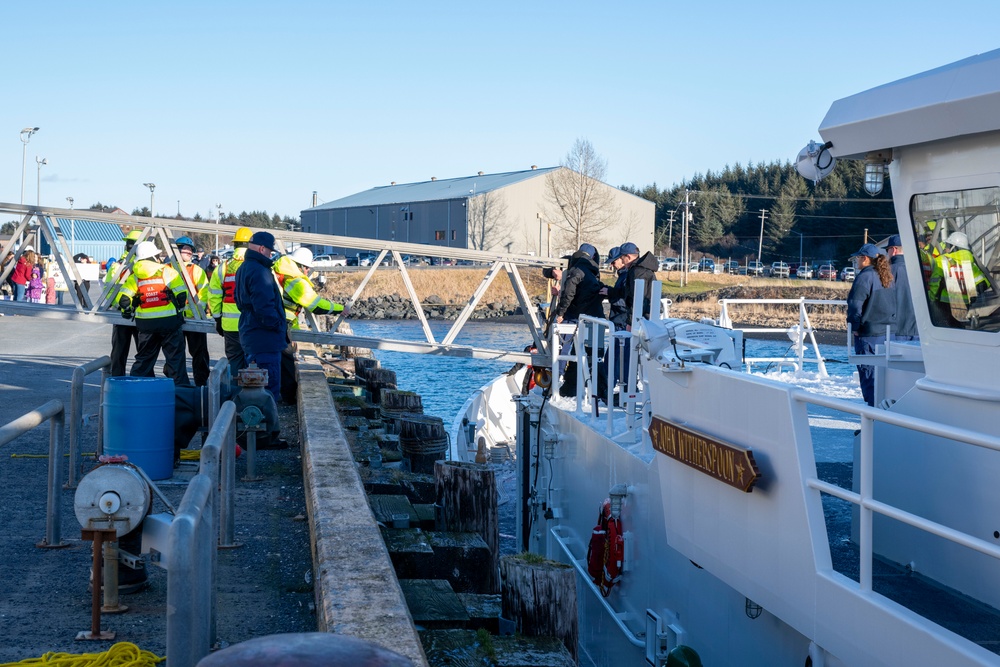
x=539, y=595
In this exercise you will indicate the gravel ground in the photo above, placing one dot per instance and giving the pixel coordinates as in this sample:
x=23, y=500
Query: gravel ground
x=264, y=587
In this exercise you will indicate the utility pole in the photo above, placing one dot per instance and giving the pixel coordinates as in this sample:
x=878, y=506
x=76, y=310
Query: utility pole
x=685, y=247
x=670, y=230
x=760, y=243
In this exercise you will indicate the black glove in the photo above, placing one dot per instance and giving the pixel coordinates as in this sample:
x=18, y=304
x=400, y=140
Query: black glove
x=125, y=305
x=218, y=326
x=179, y=300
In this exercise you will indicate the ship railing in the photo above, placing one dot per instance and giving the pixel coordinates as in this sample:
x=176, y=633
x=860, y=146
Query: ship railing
x=864, y=498
x=595, y=346
x=797, y=333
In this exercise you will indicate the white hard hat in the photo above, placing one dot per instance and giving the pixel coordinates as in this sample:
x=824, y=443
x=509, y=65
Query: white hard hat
x=28, y=247
x=302, y=256
x=958, y=239
x=146, y=249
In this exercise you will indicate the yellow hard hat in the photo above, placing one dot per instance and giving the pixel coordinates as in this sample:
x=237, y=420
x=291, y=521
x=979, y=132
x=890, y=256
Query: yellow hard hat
x=133, y=235
x=931, y=224
x=243, y=235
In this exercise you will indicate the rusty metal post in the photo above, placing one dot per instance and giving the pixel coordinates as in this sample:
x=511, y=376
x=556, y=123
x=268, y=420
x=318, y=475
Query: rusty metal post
x=97, y=536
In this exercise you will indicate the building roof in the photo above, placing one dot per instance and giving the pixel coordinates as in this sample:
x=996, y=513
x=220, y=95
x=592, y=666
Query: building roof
x=437, y=190
x=957, y=99
x=89, y=230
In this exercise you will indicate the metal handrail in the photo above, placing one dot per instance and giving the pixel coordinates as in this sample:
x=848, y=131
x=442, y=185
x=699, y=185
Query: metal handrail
x=581, y=568
x=76, y=415
x=864, y=498
x=191, y=594
x=805, y=327
x=54, y=412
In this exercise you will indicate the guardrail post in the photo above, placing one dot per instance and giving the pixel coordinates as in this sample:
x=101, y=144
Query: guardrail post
x=76, y=415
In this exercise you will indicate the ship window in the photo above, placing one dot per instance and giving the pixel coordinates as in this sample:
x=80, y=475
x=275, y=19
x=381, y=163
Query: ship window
x=957, y=237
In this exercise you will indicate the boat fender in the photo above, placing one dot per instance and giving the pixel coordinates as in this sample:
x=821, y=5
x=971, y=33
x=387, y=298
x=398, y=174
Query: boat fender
x=606, y=552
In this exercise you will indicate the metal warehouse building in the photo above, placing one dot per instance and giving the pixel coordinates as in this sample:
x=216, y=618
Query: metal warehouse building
x=525, y=219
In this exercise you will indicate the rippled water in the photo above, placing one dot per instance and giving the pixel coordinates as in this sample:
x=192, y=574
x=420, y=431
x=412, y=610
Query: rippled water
x=445, y=383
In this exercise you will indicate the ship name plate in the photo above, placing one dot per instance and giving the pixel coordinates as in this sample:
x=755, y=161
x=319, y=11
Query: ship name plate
x=725, y=462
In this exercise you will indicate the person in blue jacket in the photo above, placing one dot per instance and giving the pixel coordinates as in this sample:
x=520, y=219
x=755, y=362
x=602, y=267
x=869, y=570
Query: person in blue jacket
x=262, y=328
x=871, y=306
x=906, y=320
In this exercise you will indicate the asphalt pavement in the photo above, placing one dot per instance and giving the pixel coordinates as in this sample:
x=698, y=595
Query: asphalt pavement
x=264, y=587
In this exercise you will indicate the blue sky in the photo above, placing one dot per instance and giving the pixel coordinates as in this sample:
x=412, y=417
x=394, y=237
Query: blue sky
x=255, y=105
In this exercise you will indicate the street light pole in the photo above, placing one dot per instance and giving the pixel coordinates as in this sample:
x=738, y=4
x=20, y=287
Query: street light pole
x=25, y=138
x=72, y=229
x=40, y=162
x=218, y=221
x=151, y=186
x=760, y=243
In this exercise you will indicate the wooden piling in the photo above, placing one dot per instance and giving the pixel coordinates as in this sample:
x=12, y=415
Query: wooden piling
x=466, y=500
x=540, y=597
x=364, y=364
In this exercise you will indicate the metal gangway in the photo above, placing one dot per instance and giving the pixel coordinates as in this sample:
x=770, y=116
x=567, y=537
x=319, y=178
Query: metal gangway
x=55, y=226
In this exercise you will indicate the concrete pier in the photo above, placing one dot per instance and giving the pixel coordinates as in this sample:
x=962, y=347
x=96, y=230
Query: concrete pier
x=313, y=557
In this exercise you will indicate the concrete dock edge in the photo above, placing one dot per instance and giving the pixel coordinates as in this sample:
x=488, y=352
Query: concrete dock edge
x=357, y=592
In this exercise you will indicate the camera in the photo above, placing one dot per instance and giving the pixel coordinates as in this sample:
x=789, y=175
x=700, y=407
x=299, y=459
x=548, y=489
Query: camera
x=549, y=272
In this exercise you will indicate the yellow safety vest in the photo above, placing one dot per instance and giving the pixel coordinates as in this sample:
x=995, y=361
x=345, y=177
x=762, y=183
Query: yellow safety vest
x=297, y=292
x=153, y=282
x=222, y=291
x=200, y=282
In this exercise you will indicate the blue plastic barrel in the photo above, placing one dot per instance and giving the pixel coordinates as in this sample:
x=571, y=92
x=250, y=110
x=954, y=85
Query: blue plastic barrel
x=139, y=423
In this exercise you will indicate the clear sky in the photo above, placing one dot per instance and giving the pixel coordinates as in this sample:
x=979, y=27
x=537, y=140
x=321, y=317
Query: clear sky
x=254, y=105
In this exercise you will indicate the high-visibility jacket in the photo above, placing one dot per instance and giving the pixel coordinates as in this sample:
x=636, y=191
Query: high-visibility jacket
x=298, y=292
x=153, y=283
x=199, y=279
x=222, y=291
x=956, y=276
x=109, y=276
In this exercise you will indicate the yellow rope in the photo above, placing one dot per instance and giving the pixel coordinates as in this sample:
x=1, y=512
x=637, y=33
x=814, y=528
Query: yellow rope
x=190, y=455
x=122, y=654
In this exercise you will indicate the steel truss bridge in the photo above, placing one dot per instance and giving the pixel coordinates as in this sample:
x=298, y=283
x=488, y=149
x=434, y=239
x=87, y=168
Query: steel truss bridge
x=54, y=225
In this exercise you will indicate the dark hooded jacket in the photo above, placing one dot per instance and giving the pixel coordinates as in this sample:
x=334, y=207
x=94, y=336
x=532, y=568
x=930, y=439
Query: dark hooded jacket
x=643, y=268
x=262, y=314
x=906, y=320
x=581, y=289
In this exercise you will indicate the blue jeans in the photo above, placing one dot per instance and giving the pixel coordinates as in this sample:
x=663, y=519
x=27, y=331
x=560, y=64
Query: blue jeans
x=866, y=374
x=19, y=292
x=271, y=362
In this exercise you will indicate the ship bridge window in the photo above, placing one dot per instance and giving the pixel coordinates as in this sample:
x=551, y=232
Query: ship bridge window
x=957, y=236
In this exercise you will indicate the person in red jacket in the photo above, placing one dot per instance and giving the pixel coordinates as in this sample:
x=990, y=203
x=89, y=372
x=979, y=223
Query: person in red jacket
x=21, y=275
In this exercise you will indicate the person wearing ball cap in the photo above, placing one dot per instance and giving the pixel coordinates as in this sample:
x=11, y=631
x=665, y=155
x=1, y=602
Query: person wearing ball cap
x=262, y=324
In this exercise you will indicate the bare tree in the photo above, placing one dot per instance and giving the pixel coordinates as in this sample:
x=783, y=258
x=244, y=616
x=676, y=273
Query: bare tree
x=585, y=207
x=487, y=214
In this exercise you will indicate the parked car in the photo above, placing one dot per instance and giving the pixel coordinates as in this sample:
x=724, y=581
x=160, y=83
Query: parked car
x=803, y=272
x=847, y=274
x=328, y=261
x=827, y=272
x=669, y=264
x=779, y=270
x=706, y=265
x=731, y=267
x=755, y=268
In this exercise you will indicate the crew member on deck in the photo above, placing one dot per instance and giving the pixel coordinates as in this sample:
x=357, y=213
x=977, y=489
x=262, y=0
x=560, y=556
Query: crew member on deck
x=870, y=307
x=222, y=301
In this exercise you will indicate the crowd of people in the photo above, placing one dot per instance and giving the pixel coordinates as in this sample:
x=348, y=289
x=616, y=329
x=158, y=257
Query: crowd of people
x=579, y=291
x=253, y=299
